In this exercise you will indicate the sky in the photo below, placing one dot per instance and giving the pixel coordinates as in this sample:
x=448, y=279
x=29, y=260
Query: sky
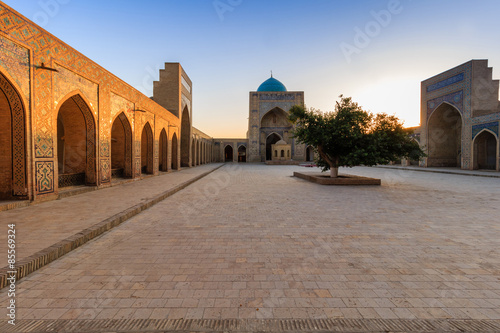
x=376, y=51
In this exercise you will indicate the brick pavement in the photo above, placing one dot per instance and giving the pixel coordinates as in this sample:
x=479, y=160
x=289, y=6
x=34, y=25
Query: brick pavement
x=40, y=226
x=250, y=242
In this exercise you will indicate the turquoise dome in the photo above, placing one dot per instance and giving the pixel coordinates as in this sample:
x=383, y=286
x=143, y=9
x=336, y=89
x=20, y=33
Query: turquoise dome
x=272, y=84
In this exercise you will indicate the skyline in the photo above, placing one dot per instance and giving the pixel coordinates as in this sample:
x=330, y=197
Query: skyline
x=378, y=52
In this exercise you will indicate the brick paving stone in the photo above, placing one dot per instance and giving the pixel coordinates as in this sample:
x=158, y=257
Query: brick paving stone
x=251, y=242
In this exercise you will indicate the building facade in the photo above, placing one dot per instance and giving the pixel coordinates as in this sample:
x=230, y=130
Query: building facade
x=460, y=114
x=267, y=124
x=65, y=121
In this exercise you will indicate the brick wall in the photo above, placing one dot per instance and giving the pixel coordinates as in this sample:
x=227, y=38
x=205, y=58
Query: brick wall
x=72, y=139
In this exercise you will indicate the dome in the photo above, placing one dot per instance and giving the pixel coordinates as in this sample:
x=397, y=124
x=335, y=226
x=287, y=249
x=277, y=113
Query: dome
x=272, y=84
x=281, y=142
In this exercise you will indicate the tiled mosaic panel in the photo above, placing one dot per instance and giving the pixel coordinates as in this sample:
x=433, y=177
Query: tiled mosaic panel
x=446, y=82
x=16, y=59
x=105, y=170
x=476, y=129
x=44, y=177
x=67, y=81
x=455, y=99
x=74, y=179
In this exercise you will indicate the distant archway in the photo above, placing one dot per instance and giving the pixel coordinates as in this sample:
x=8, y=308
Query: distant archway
x=271, y=140
x=121, y=147
x=163, y=151
x=147, y=150
x=228, y=153
x=175, y=148
x=198, y=153
x=309, y=154
x=185, y=137
x=76, y=147
x=485, y=151
x=13, y=173
x=242, y=154
x=193, y=152
x=445, y=137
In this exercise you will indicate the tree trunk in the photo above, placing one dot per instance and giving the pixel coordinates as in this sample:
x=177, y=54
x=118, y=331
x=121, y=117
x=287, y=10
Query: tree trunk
x=334, y=169
x=334, y=172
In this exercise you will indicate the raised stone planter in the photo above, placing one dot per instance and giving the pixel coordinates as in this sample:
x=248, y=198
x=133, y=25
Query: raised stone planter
x=325, y=179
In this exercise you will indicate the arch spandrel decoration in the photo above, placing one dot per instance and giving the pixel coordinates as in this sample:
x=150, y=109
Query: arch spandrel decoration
x=19, y=184
x=455, y=99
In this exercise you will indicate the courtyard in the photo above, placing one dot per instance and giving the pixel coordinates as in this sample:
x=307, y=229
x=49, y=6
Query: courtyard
x=251, y=244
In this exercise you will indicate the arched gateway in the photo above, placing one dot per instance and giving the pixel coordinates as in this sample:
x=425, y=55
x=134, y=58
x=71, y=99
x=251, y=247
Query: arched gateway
x=13, y=175
x=445, y=137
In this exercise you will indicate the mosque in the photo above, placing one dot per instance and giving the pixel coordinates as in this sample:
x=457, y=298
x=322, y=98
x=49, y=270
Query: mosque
x=269, y=138
x=67, y=122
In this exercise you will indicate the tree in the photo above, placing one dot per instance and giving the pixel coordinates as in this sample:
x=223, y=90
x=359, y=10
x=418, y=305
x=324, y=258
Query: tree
x=350, y=136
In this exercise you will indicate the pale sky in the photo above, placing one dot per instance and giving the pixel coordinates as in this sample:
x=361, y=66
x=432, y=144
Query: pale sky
x=378, y=52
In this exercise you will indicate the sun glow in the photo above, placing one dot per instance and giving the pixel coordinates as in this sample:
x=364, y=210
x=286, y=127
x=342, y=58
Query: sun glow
x=395, y=96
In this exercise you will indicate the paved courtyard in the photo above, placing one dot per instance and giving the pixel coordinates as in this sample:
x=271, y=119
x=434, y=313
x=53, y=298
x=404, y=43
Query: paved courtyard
x=251, y=242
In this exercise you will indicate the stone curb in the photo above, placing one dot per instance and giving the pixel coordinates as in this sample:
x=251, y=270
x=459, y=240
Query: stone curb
x=250, y=325
x=32, y=263
x=449, y=172
x=343, y=179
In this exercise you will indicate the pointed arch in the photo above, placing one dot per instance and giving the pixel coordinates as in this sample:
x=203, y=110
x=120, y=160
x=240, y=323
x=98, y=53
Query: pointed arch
x=185, y=137
x=242, y=154
x=163, y=151
x=484, y=150
x=175, y=149
x=444, y=133
x=271, y=139
x=76, y=142
x=309, y=154
x=147, y=149
x=193, y=152
x=198, y=153
x=228, y=153
x=121, y=147
x=276, y=117
x=13, y=152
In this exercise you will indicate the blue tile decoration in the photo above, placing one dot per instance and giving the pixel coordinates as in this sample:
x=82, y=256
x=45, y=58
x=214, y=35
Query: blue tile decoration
x=447, y=82
x=493, y=126
x=455, y=99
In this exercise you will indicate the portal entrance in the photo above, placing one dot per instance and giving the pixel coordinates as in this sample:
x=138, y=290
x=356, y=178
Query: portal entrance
x=242, y=154
x=445, y=137
x=271, y=140
x=309, y=154
x=485, y=151
x=175, y=148
x=147, y=150
x=13, y=176
x=121, y=147
x=185, y=138
x=228, y=154
x=163, y=153
x=76, y=143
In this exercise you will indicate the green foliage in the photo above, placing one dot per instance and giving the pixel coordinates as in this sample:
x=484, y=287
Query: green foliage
x=350, y=136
